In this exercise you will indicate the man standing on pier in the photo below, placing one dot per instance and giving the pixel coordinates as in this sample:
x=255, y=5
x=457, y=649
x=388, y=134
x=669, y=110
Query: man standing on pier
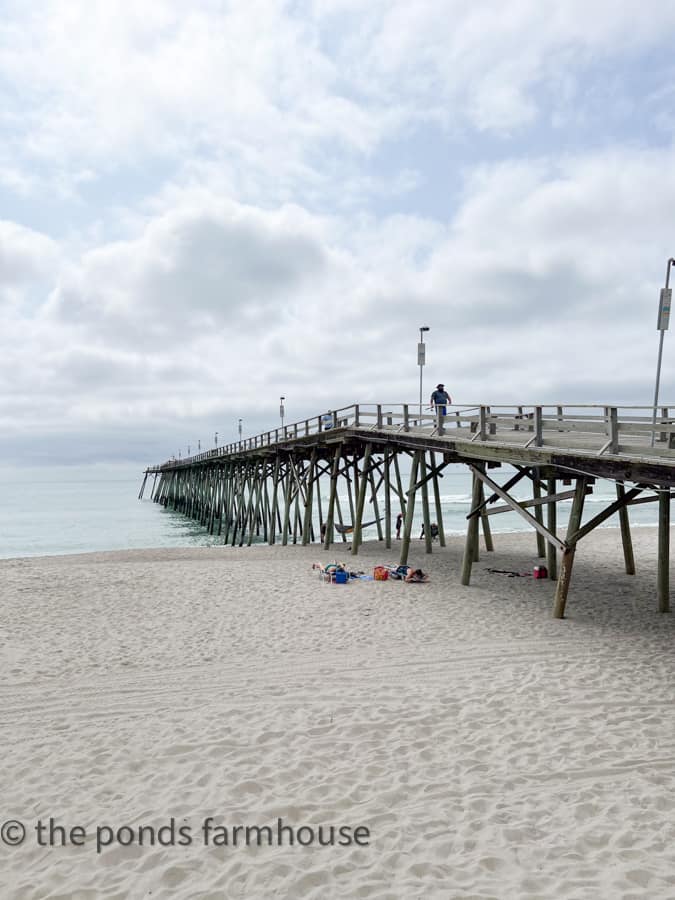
x=439, y=399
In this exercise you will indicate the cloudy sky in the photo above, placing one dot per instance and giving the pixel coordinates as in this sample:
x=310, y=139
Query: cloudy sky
x=208, y=205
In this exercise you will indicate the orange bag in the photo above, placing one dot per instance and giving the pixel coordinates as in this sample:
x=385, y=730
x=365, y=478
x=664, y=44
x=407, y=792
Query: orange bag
x=380, y=573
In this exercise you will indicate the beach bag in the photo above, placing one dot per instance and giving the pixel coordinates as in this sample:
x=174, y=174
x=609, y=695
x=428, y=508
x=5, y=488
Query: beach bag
x=341, y=577
x=380, y=573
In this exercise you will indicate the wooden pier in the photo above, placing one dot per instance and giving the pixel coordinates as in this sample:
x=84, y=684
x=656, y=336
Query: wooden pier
x=268, y=487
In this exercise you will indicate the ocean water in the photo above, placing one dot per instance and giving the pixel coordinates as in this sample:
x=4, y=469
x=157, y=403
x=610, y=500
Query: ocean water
x=61, y=510
x=46, y=511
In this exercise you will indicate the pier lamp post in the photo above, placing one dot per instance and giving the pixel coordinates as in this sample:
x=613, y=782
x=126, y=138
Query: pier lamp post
x=421, y=359
x=282, y=411
x=662, y=326
x=188, y=449
x=240, y=421
x=199, y=446
x=215, y=439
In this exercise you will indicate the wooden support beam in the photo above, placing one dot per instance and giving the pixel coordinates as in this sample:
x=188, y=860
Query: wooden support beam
x=275, y=501
x=319, y=507
x=238, y=501
x=328, y=537
x=297, y=521
x=605, y=514
x=247, y=517
x=522, y=473
x=253, y=524
x=437, y=500
x=350, y=498
x=245, y=505
x=552, y=525
x=410, y=509
x=140, y=493
x=426, y=518
x=287, y=503
x=663, y=564
x=231, y=501
x=338, y=509
x=471, y=530
x=485, y=523
x=225, y=504
x=266, y=507
x=516, y=506
x=651, y=499
x=626, y=540
x=541, y=501
x=387, y=498
x=376, y=506
x=569, y=549
x=538, y=514
x=361, y=501
x=356, y=489
x=309, y=498
x=399, y=485
x=216, y=487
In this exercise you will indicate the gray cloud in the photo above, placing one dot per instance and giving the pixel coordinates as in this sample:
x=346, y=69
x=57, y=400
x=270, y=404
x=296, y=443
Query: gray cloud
x=192, y=270
x=25, y=255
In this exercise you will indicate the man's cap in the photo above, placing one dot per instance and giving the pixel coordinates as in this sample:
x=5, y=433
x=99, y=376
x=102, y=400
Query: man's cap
x=439, y=386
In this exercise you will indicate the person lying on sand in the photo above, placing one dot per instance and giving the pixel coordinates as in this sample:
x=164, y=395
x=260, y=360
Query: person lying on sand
x=415, y=575
x=329, y=568
x=407, y=573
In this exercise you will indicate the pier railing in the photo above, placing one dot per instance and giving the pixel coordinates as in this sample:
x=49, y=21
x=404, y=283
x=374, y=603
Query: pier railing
x=589, y=428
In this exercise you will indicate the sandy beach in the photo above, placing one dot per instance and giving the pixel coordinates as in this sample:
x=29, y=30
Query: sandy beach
x=467, y=744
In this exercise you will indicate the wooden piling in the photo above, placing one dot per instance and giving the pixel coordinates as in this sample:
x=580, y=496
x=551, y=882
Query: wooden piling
x=387, y=498
x=140, y=493
x=437, y=500
x=275, y=500
x=402, y=499
x=330, y=515
x=485, y=523
x=287, y=505
x=410, y=508
x=471, y=533
x=319, y=505
x=538, y=513
x=253, y=526
x=338, y=509
x=363, y=486
x=376, y=505
x=663, y=564
x=551, y=524
x=426, y=518
x=309, y=497
x=567, y=560
x=626, y=540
